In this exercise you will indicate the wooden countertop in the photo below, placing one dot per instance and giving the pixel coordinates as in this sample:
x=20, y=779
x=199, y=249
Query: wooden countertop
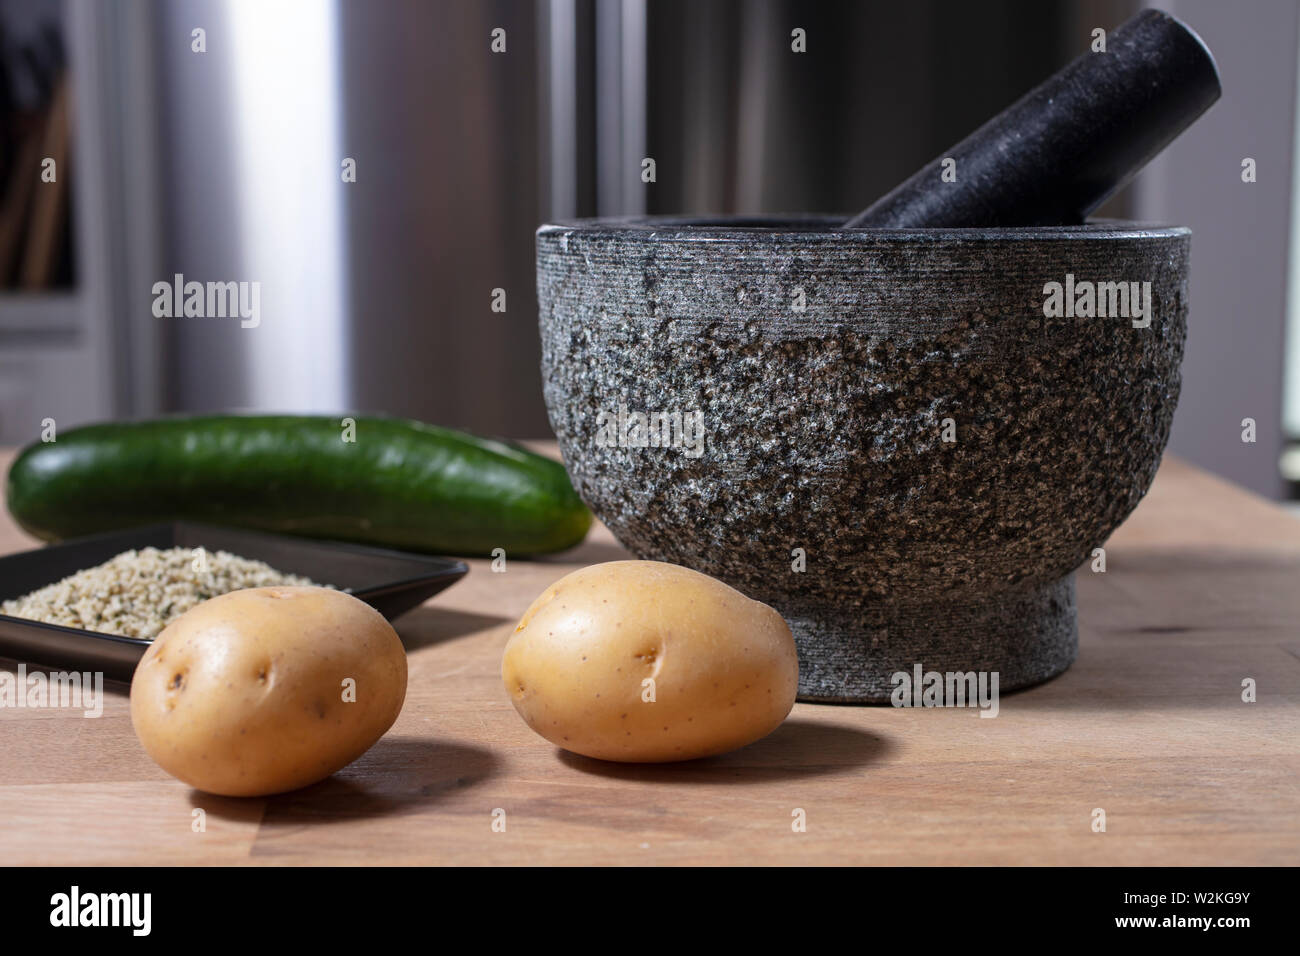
x=1202, y=589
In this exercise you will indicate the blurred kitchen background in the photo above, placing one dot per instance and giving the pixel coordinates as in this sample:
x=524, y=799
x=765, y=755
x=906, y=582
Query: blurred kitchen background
x=376, y=295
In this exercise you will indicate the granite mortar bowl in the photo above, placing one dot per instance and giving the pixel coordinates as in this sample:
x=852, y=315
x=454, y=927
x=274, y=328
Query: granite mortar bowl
x=901, y=451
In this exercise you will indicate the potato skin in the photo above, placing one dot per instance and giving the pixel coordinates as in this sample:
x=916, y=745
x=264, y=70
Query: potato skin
x=243, y=694
x=724, y=666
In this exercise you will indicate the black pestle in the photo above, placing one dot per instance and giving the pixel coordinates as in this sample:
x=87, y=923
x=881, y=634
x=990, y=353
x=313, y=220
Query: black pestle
x=1061, y=150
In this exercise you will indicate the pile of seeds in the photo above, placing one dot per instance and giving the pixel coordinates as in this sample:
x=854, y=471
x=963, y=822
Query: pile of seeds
x=138, y=593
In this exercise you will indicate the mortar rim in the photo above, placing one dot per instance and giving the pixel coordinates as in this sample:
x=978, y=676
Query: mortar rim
x=820, y=227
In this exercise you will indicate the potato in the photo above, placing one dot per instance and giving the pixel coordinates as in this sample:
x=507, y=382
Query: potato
x=248, y=694
x=642, y=661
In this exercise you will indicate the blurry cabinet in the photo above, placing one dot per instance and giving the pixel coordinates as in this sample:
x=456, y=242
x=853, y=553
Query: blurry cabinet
x=71, y=346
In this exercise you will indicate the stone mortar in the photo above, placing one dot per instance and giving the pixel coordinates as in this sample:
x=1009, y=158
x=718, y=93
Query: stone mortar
x=824, y=428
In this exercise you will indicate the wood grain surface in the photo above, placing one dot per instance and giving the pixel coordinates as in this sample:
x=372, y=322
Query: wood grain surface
x=1201, y=590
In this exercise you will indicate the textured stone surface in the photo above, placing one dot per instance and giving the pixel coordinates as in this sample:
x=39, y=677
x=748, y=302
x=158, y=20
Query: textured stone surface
x=823, y=428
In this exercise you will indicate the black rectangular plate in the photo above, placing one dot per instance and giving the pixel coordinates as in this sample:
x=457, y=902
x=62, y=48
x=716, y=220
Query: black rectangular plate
x=392, y=582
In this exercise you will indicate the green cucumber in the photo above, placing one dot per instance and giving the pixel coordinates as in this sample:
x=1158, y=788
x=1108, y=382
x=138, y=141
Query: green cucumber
x=398, y=484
